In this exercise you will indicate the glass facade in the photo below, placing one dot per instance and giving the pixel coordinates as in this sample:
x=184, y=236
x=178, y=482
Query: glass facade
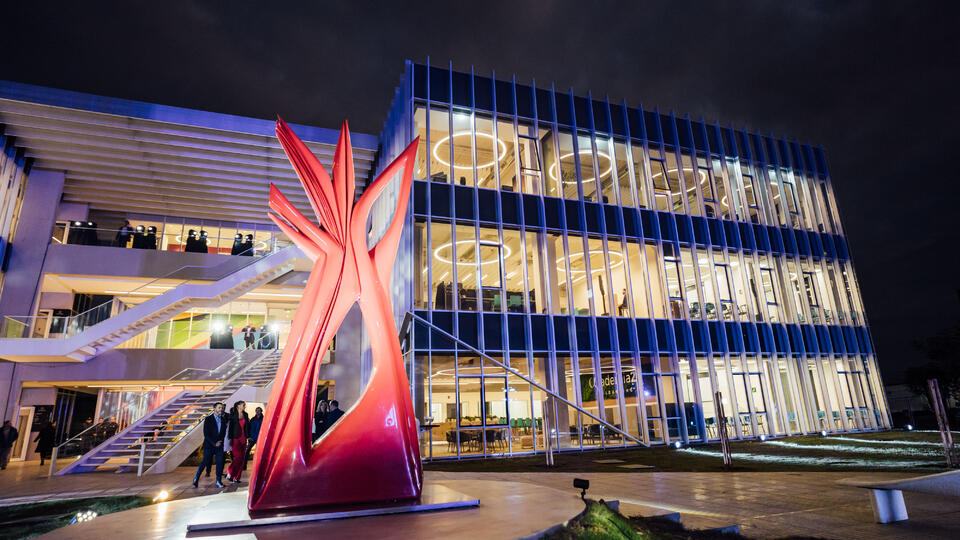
x=644, y=267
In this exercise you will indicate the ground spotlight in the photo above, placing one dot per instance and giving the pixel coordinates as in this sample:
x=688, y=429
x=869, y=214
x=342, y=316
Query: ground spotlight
x=84, y=516
x=763, y=438
x=582, y=485
x=823, y=433
x=162, y=496
x=678, y=445
x=909, y=427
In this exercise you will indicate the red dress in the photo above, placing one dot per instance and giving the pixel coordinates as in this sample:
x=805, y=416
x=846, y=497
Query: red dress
x=239, y=448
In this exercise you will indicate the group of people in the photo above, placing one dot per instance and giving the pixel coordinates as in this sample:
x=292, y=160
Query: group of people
x=143, y=238
x=326, y=414
x=235, y=431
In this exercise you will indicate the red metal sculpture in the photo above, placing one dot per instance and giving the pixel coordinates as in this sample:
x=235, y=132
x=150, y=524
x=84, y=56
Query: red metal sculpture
x=372, y=454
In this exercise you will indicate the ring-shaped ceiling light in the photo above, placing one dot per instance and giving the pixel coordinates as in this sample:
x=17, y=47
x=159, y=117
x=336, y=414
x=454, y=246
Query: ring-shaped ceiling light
x=702, y=172
x=436, y=252
x=591, y=252
x=553, y=168
x=502, y=145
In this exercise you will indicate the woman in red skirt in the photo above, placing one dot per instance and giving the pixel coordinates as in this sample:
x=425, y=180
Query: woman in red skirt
x=239, y=431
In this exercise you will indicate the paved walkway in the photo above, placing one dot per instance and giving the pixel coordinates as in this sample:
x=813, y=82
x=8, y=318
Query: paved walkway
x=25, y=482
x=765, y=505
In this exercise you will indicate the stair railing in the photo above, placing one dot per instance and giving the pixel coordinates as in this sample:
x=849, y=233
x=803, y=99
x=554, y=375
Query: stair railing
x=192, y=405
x=14, y=326
x=516, y=373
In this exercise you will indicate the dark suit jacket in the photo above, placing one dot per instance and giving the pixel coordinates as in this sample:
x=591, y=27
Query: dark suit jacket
x=6, y=441
x=212, y=435
x=332, y=417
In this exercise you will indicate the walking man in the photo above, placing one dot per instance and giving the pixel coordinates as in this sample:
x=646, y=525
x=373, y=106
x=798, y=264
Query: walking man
x=8, y=436
x=214, y=430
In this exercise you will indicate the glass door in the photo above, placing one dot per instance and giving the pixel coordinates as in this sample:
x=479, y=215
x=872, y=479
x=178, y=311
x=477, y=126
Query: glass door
x=484, y=416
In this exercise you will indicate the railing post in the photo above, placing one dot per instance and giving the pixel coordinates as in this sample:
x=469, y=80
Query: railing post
x=143, y=451
x=53, y=461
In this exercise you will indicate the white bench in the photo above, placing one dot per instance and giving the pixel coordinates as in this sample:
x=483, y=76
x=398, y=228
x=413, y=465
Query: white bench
x=887, y=497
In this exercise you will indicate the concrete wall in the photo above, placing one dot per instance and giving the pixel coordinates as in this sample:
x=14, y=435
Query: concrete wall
x=115, y=261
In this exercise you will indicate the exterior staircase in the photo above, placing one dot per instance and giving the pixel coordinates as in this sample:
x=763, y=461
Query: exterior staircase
x=174, y=430
x=142, y=317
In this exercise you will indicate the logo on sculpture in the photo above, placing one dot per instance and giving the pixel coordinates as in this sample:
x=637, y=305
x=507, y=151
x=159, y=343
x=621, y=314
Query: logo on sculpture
x=371, y=454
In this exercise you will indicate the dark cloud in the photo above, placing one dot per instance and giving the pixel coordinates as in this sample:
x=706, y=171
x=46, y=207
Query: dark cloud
x=873, y=82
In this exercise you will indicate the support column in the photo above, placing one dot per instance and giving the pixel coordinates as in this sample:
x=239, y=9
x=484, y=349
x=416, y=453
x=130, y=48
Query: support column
x=21, y=284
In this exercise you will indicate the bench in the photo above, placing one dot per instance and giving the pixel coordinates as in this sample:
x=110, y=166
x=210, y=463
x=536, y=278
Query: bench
x=887, y=496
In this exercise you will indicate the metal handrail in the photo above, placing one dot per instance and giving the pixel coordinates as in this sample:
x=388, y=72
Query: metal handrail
x=171, y=380
x=524, y=377
x=72, y=318
x=56, y=449
x=186, y=431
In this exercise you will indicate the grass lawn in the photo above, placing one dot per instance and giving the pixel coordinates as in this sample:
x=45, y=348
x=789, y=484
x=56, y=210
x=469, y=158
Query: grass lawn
x=33, y=519
x=892, y=451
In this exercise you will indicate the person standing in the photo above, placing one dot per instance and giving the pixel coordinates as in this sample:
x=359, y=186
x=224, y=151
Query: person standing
x=214, y=426
x=239, y=432
x=45, y=440
x=320, y=418
x=333, y=415
x=8, y=436
x=124, y=234
x=249, y=336
x=255, y=424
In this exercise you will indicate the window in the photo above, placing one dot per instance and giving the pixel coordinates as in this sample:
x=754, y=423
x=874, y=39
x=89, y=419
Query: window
x=529, y=156
x=671, y=268
x=487, y=153
x=640, y=176
x=624, y=184
x=507, y=155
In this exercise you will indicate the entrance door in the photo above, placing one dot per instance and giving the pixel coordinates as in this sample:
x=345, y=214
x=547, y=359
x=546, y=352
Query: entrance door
x=24, y=421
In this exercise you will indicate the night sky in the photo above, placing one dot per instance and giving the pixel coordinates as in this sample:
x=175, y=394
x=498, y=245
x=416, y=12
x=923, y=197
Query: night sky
x=875, y=83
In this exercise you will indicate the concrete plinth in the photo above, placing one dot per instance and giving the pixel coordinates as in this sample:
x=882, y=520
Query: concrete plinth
x=435, y=497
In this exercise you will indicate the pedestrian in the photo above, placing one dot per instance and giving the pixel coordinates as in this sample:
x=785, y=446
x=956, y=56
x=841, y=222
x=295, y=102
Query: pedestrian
x=8, y=436
x=124, y=234
x=320, y=418
x=333, y=415
x=45, y=440
x=214, y=426
x=255, y=424
x=249, y=336
x=239, y=432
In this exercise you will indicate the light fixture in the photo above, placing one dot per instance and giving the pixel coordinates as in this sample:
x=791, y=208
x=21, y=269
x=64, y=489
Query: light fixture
x=823, y=433
x=763, y=438
x=218, y=327
x=436, y=253
x=553, y=167
x=162, y=496
x=678, y=445
x=84, y=516
x=909, y=427
x=501, y=144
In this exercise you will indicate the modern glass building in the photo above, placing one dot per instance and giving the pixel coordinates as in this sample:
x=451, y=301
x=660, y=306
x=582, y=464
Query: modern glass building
x=645, y=270
x=574, y=273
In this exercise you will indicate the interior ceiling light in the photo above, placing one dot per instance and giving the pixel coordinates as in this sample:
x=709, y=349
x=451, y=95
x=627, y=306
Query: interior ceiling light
x=501, y=144
x=553, y=168
x=436, y=252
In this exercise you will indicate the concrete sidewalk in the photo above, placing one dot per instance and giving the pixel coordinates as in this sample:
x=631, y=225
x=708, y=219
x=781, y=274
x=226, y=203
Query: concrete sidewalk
x=764, y=505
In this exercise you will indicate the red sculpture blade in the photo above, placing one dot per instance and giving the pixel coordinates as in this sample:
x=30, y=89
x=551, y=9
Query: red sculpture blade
x=372, y=453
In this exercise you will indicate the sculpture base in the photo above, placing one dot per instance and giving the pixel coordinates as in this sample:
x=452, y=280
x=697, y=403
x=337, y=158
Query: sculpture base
x=433, y=498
